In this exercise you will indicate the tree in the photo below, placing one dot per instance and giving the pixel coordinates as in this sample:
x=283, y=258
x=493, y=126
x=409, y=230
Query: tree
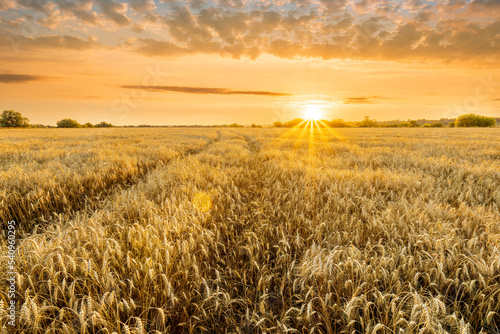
x=473, y=120
x=437, y=125
x=88, y=125
x=13, y=119
x=338, y=123
x=68, y=123
x=294, y=122
x=278, y=124
x=451, y=124
x=426, y=125
x=367, y=123
x=104, y=125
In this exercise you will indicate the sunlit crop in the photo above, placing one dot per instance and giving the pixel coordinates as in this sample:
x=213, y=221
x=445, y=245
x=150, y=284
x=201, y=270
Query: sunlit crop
x=302, y=230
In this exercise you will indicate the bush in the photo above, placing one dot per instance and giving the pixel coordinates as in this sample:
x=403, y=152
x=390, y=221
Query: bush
x=338, y=123
x=473, y=120
x=289, y=124
x=367, y=123
x=437, y=125
x=88, y=125
x=451, y=124
x=294, y=122
x=104, y=125
x=68, y=123
x=426, y=125
x=13, y=119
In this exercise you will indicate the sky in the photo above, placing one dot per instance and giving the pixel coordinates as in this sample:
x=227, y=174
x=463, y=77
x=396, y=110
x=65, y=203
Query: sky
x=218, y=62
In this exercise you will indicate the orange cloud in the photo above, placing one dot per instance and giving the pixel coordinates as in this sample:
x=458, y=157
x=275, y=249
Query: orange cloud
x=205, y=90
x=19, y=78
x=451, y=31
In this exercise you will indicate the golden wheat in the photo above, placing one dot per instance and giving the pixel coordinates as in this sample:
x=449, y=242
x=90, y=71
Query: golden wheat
x=253, y=230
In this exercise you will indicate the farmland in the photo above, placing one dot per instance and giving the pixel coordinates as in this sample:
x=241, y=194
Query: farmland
x=303, y=230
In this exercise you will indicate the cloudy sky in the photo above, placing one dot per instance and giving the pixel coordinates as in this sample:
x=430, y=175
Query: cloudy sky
x=206, y=62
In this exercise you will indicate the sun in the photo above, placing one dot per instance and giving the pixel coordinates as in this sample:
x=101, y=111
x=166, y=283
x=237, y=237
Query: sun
x=313, y=112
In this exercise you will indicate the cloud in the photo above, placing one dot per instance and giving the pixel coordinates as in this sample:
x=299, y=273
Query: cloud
x=151, y=47
x=484, y=6
x=61, y=42
x=36, y=5
x=142, y=6
x=19, y=78
x=334, y=5
x=205, y=90
x=358, y=100
x=415, y=30
x=184, y=25
x=47, y=42
x=114, y=10
x=7, y=4
x=366, y=99
x=80, y=9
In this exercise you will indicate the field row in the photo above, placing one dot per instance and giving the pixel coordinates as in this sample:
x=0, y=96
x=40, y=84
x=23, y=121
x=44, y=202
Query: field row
x=44, y=175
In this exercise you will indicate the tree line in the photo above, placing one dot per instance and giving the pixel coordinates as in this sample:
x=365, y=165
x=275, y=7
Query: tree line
x=71, y=123
x=467, y=120
x=14, y=119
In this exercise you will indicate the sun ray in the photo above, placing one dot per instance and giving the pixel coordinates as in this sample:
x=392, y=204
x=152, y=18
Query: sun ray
x=310, y=136
x=333, y=133
x=298, y=143
x=287, y=134
x=312, y=147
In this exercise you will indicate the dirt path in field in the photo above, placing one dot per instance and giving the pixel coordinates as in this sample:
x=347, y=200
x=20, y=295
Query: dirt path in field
x=253, y=145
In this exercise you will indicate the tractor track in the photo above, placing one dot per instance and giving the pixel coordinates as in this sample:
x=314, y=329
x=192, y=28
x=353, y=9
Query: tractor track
x=33, y=220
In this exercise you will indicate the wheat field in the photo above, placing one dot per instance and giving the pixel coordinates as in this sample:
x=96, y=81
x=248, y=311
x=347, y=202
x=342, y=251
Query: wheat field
x=206, y=230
